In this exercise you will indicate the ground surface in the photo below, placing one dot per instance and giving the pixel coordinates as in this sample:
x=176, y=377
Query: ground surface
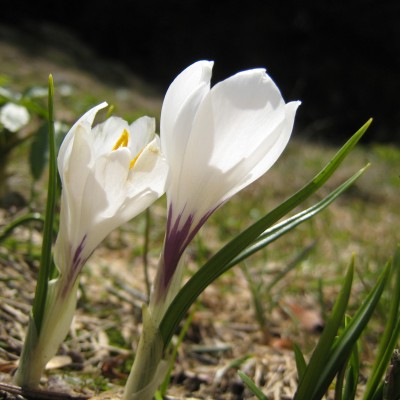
x=224, y=334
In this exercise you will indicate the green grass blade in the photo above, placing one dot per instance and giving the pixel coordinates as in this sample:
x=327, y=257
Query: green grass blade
x=258, y=303
x=339, y=383
x=320, y=355
x=252, y=386
x=38, y=152
x=352, y=375
x=345, y=342
x=390, y=334
x=301, y=364
x=347, y=376
x=280, y=229
x=45, y=269
x=162, y=390
x=8, y=229
x=302, y=255
x=391, y=387
x=217, y=264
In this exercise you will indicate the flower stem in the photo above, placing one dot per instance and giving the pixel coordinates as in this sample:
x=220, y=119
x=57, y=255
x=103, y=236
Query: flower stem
x=40, y=347
x=149, y=368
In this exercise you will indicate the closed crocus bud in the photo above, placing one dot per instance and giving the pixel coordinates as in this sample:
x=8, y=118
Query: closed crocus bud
x=216, y=141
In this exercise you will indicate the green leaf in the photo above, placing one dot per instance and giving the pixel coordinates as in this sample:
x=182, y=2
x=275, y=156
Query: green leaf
x=391, y=388
x=46, y=263
x=344, y=343
x=352, y=375
x=321, y=354
x=38, y=152
x=300, y=361
x=162, y=390
x=220, y=262
x=22, y=220
x=390, y=334
x=278, y=230
x=252, y=386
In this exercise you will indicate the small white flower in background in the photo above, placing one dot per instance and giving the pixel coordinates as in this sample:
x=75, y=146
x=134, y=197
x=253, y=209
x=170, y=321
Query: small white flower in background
x=216, y=141
x=14, y=117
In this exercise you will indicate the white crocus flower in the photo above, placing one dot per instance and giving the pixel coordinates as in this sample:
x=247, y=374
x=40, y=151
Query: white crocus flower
x=109, y=174
x=216, y=141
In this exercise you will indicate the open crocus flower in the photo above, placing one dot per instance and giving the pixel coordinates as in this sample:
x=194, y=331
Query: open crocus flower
x=109, y=174
x=216, y=141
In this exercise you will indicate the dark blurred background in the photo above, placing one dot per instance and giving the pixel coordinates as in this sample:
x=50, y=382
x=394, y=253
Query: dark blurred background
x=341, y=58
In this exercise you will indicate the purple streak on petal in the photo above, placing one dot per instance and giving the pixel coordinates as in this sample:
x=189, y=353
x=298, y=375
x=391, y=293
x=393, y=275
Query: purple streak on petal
x=176, y=241
x=77, y=259
x=77, y=263
x=177, y=238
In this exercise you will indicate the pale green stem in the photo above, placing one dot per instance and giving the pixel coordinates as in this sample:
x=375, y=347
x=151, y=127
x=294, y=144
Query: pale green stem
x=161, y=297
x=38, y=350
x=149, y=368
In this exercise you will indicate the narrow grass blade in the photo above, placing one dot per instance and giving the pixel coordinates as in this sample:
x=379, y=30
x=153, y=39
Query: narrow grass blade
x=38, y=152
x=339, y=383
x=45, y=269
x=162, y=391
x=258, y=302
x=343, y=345
x=301, y=364
x=303, y=254
x=146, y=251
x=321, y=353
x=252, y=386
x=219, y=263
x=278, y=230
x=391, y=387
x=347, y=377
x=24, y=219
x=390, y=334
x=352, y=375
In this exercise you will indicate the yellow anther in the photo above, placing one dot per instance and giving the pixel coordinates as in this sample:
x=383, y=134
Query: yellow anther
x=133, y=162
x=122, y=141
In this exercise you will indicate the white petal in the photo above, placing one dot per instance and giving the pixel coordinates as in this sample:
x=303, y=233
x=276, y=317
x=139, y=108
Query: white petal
x=180, y=106
x=105, y=135
x=104, y=193
x=120, y=197
x=86, y=120
x=239, y=131
x=74, y=176
x=150, y=170
x=147, y=181
x=235, y=117
x=265, y=156
x=142, y=131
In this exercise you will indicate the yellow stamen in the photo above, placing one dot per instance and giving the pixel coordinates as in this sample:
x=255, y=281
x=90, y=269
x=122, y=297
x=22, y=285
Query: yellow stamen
x=122, y=141
x=133, y=162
